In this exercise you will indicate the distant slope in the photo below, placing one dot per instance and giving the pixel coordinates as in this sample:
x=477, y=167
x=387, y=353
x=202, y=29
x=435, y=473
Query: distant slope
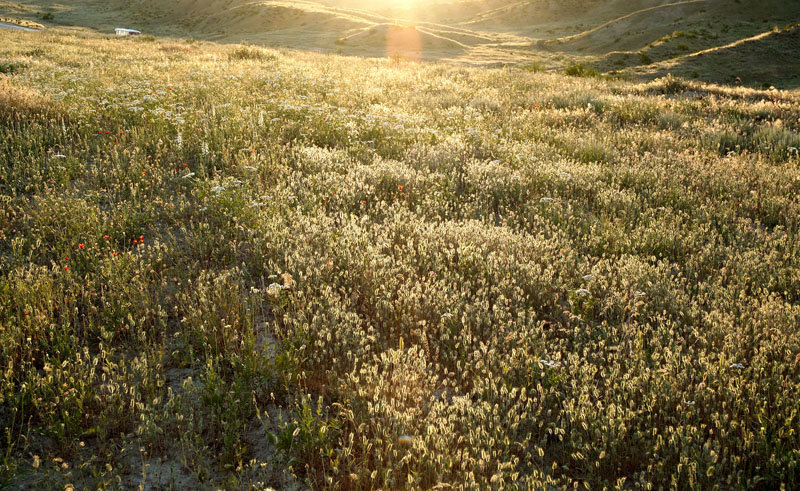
x=770, y=58
x=713, y=40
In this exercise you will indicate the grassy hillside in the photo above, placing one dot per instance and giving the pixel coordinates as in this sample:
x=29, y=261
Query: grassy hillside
x=225, y=265
x=637, y=39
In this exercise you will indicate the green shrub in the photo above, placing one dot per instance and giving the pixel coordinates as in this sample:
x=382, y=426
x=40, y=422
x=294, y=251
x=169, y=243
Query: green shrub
x=580, y=70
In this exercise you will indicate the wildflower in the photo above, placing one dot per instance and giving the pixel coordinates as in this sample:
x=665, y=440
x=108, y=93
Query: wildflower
x=400, y=187
x=583, y=292
x=80, y=246
x=737, y=365
x=66, y=268
x=448, y=315
x=189, y=175
x=588, y=277
x=363, y=202
x=114, y=254
x=25, y=313
x=143, y=172
x=546, y=200
x=218, y=189
x=549, y=363
x=105, y=236
x=275, y=288
x=141, y=238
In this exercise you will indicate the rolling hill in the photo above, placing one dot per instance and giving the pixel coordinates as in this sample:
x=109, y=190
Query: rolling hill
x=714, y=40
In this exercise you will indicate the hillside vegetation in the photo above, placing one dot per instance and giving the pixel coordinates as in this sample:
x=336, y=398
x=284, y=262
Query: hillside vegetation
x=735, y=42
x=226, y=265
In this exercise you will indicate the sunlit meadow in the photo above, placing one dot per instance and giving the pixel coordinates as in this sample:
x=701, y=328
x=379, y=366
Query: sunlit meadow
x=231, y=266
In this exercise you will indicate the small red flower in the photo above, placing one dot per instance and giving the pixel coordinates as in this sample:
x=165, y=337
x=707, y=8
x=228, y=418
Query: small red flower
x=66, y=268
x=108, y=132
x=400, y=187
x=105, y=237
x=25, y=313
x=143, y=172
x=363, y=202
x=141, y=238
x=185, y=165
x=134, y=241
x=114, y=254
x=80, y=246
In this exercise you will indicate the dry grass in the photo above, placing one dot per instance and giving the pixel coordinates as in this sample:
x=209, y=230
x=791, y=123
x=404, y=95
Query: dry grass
x=229, y=266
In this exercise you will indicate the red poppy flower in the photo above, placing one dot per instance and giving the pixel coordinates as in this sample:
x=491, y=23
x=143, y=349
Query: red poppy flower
x=25, y=313
x=66, y=268
x=400, y=187
x=80, y=246
x=143, y=172
x=114, y=254
x=141, y=238
x=105, y=237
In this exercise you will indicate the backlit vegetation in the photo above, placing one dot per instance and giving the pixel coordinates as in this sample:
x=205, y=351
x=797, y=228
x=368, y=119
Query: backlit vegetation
x=234, y=266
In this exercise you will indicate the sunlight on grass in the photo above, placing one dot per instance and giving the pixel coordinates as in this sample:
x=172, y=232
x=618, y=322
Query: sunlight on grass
x=233, y=266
